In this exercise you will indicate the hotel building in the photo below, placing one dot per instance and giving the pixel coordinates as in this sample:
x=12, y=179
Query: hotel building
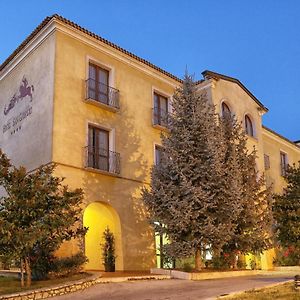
x=70, y=97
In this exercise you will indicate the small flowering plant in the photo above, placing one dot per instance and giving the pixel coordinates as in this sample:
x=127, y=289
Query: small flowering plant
x=287, y=256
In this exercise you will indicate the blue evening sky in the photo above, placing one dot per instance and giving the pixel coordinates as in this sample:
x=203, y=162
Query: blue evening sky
x=256, y=41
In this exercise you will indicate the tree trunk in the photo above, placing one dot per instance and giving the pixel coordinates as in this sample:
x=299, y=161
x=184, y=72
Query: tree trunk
x=216, y=252
x=28, y=271
x=198, y=260
x=22, y=273
x=235, y=262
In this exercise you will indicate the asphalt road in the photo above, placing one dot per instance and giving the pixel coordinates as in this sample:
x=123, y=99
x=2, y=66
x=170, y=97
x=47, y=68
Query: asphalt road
x=174, y=289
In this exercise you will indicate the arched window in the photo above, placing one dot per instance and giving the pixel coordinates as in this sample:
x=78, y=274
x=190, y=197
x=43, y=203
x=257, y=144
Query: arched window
x=249, y=126
x=225, y=110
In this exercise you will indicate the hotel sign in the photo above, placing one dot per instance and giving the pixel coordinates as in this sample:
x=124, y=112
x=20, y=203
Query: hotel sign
x=24, y=94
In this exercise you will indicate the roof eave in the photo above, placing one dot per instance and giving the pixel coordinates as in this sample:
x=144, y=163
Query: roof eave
x=57, y=17
x=210, y=74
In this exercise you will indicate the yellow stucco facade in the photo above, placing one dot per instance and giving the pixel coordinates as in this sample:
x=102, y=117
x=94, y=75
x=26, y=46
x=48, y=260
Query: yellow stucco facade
x=112, y=198
x=131, y=134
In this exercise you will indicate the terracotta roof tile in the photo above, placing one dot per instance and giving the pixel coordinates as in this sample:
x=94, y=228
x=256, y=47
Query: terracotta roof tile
x=99, y=38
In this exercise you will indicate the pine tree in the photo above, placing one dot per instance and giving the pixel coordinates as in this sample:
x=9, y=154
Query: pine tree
x=254, y=220
x=189, y=200
x=287, y=210
x=38, y=211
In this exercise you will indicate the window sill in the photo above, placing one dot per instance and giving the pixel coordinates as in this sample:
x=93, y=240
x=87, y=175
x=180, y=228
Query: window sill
x=101, y=105
x=161, y=127
x=252, y=138
x=98, y=171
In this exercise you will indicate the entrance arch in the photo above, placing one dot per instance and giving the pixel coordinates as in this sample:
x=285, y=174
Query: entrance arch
x=97, y=216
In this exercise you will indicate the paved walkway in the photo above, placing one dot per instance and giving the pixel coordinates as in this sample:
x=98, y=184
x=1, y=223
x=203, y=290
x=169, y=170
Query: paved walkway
x=172, y=289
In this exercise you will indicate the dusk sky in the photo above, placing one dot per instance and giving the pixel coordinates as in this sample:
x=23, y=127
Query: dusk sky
x=255, y=41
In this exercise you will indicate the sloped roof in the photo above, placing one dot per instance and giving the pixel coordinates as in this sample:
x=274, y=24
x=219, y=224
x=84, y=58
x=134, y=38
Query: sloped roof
x=210, y=74
x=281, y=136
x=97, y=37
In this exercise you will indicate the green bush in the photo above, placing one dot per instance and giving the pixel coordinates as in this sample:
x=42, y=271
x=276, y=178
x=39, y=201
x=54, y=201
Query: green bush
x=42, y=262
x=253, y=265
x=241, y=264
x=187, y=267
x=108, y=251
x=67, y=266
x=287, y=257
x=224, y=261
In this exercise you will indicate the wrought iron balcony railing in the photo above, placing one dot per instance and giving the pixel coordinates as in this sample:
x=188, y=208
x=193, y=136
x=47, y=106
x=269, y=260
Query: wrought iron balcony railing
x=102, y=159
x=102, y=93
x=160, y=117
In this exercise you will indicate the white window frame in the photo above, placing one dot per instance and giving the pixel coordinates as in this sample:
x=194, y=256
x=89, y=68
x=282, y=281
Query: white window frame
x=169, y=99
x=101, y=64
x=111, y=134
x=154, y=152
x=287, y=161
x=249, y=115
x=228, y=103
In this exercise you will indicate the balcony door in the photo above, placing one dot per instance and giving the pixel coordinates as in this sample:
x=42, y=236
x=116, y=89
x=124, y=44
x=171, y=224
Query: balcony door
x=99, y=148
x=98, y=84
x=160, y=109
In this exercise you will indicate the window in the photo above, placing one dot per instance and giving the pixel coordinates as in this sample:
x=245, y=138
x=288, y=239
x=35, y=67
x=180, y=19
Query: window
x=160, y=113
x=283, y=163
x=98, y=88
x=98, y=152
x=98, y=148
x=98, y=83
x=226, y=113
x=267, y=161
x=158, y=154
x=249, y=126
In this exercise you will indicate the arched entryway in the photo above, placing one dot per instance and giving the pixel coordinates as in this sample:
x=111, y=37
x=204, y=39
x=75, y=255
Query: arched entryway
x=97, y=216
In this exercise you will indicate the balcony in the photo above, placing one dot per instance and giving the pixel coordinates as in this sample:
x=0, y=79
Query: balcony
x=102, y=159
x=104, y=95
x=160, y=117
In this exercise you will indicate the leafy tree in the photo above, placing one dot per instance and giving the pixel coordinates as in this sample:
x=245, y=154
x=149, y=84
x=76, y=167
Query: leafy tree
x=37, y=212
x=287, y=210
x=189, y=199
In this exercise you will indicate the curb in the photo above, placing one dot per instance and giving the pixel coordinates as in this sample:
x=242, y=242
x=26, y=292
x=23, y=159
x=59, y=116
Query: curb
x=74, y=286
x=132, y=278
x=240, y=293
x=203, y=275
x=218, y=275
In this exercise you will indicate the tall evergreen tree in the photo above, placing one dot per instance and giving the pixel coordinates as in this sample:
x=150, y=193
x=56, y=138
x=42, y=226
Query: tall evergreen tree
x=38, y=211
x=206, y=190
x=287, y=210
x=189, y=199
x=253, y=224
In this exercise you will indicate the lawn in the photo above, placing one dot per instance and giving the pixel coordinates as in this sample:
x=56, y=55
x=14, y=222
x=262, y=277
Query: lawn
x=285, y=291
x=10, y=285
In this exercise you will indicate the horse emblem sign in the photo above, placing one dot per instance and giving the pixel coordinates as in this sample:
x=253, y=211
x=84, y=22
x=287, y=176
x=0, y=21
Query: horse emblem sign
x=25, y=92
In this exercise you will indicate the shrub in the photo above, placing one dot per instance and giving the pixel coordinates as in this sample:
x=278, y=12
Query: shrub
x=187, y=267
x=5, y=262
x=287, y=257
x=241, y=264
x=108, y=251
x=253, y=265
x=68, y=265
x=42, y=262
x=224, y=261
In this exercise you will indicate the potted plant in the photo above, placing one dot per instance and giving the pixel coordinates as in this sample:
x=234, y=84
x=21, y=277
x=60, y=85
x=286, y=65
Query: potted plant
x=108, y=251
